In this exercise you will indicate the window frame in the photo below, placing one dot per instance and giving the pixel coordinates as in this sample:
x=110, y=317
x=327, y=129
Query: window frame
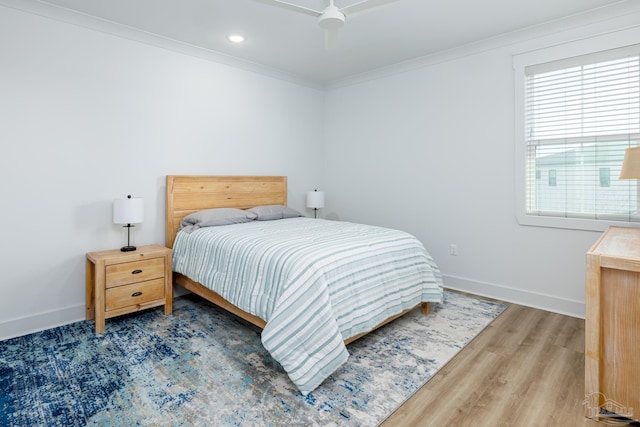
x=566, y=51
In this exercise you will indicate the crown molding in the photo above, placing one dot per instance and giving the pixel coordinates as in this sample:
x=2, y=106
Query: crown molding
x=619, y=16
x=57, y=13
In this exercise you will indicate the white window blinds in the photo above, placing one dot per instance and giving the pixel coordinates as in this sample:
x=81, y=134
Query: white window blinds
x=580, y=115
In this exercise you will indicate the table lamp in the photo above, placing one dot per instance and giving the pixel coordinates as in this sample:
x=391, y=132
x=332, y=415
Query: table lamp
x=315, y=201
x=631, y=164
x=128, y=211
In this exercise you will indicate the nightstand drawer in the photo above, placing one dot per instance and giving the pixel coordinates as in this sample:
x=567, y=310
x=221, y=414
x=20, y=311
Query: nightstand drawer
x=136, y=271
x=136, y=293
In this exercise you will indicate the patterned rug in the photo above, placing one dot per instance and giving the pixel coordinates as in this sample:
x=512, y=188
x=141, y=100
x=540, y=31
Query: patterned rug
x=202, y=366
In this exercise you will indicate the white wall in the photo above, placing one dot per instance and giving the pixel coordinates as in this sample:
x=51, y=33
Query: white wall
x=87, y=117
x=430, y=150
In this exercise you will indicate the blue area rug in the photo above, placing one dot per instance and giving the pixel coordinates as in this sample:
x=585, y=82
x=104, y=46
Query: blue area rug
x=202, y=366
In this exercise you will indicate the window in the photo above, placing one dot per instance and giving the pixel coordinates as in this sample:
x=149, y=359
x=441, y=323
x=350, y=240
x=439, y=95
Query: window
x=605, y=177
x=580, y=114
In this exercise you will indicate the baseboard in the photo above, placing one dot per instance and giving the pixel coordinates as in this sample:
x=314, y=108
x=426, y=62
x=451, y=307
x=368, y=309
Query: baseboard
x=50, y=319
x=41, y=321
x=517, y=296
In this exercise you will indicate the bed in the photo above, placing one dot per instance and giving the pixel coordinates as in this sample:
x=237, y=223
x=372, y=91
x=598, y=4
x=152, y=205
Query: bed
x=322, y=298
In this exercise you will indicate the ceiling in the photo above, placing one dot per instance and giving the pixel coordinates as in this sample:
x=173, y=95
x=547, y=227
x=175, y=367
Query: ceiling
x=293, y=43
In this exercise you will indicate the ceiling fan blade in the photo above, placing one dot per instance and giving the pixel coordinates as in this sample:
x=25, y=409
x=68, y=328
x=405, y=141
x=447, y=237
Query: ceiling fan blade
x=364, y=5
x=293, y=7
x=331, y=38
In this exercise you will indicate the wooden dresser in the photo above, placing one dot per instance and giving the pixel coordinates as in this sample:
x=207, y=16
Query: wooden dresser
x=612, y=324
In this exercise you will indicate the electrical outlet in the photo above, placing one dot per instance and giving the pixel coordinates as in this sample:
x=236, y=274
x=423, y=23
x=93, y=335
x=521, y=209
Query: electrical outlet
x=453, y=249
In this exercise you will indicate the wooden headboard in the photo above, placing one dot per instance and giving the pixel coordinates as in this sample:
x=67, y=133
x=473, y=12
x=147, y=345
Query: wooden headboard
x=191, y=193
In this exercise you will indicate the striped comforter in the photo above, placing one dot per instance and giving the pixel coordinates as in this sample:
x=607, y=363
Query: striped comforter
x=315, y=282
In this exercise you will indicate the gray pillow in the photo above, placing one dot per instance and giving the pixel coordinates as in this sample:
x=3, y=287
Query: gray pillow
x=270, y=212
x=214, y=217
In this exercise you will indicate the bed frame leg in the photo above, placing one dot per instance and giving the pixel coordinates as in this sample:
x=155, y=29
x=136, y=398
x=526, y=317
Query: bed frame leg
x=425, y=308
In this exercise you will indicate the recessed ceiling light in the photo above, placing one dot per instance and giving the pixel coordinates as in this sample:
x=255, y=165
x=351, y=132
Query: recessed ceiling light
x=235, y=38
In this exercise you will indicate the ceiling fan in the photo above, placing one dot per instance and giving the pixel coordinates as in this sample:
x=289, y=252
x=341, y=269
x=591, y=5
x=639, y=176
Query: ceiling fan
x=332, y=18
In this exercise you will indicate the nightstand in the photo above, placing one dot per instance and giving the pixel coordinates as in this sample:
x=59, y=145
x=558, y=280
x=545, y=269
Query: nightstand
x=125, y=282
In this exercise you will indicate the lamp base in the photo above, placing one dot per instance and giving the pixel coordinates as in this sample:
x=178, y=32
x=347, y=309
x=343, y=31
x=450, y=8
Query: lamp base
x=128, y=247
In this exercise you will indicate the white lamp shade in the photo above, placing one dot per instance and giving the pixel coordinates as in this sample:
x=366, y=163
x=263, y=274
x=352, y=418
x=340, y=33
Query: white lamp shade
x=631, y=164
x=315, y=199
x=128, y=211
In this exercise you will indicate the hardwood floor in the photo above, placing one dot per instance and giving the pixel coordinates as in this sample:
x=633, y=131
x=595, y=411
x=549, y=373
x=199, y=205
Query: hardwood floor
x=525, y=369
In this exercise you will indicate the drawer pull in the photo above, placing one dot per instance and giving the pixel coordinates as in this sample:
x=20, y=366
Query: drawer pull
x=136, y=272
x=136, y=294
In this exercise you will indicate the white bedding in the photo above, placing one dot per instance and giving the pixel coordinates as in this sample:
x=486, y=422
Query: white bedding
x=315, y=282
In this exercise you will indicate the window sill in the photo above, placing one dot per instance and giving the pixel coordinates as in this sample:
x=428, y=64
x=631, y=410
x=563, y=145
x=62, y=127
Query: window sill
x=571, y=223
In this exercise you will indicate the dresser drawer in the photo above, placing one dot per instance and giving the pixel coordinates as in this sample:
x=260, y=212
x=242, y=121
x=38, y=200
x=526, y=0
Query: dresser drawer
x=135, y=293
x=136, y=271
